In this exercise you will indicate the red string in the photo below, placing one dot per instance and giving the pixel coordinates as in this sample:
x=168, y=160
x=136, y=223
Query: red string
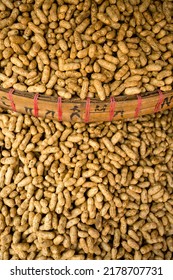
x=87, y=110
x=36, y=105
x=160, y=101
x=112, y=108
x=10, y=97
x=59, y=108
x=138, y=108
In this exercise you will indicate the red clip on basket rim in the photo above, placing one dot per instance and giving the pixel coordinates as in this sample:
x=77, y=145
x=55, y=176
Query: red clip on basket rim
x=87, y=110
x=112, y=108
x=59, y=108
x=138, y=108
x=36, y=105
x=10, y=97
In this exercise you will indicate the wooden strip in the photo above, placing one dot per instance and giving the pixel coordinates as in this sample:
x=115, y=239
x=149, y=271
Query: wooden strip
x=74, y=110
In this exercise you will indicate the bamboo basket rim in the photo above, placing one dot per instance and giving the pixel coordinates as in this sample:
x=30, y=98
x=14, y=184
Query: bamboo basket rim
x=98, y=110
x=78, y=100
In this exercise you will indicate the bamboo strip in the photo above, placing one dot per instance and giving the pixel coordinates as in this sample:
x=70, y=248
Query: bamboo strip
x=74, y=110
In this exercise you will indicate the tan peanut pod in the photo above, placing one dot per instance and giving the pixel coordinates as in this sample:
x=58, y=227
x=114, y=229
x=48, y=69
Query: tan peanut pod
x=158, y=195
x=20, y=71
x=58, y=239
x=153, y=67
x=166, y=39
x=146, y=248
x=8, y=175
x=129, y=152
x=108, y=144
x=17, y=39
x=25, y=181
x=99, y=89
x=105, y=192
x=112, y=13
x=116, y=137
x=93, y=233
x=138, y=172
x=155, y=189
x=72, y=222
x=149, y=226
x=3, y=77
x=75, y=138
x=132, y=91
x=71, y=66
x=84, y=90
x=37, y=88
x=107, y=65
x=41, y=41
x=163, y=74
x=8, y=160
x=169, y=242
x=111, y=59
x=133, y=244
x=46, y=235
x=92, y=50
x=10, y=81
x=45, y=74
x=104, y=18
x=7, y=190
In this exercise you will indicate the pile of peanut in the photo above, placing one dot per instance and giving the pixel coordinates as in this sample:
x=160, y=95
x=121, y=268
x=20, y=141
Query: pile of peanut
x=80, y=48
x=86, y=191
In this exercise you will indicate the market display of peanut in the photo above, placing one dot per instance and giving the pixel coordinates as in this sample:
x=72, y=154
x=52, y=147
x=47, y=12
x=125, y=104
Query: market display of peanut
x=80, y=191
x=80, y=48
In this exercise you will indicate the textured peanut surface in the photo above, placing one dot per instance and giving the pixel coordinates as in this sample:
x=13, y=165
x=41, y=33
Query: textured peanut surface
x=96, y=191
x=86, y=48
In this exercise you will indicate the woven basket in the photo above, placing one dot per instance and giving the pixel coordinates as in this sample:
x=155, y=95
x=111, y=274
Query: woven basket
x=89, y=110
